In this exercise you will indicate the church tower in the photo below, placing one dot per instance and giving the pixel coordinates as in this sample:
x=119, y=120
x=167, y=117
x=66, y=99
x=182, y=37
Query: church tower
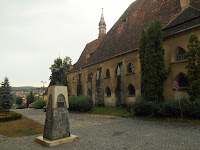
x=102, y=27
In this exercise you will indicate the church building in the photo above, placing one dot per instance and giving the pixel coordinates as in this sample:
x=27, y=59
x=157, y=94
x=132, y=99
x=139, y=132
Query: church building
x=109, y=67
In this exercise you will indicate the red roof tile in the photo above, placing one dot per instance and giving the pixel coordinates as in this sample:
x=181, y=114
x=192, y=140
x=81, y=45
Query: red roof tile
x=124, y=35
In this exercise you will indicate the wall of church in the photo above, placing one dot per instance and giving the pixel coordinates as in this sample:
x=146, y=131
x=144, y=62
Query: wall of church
x=130, y=81
x=172, y=46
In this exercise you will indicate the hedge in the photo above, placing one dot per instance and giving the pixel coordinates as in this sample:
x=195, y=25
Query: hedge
x=80, y=103
x=8, y=116
x=39, y=104
x=167, y=109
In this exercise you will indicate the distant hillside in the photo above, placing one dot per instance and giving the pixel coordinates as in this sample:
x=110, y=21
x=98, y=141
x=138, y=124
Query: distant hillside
x=23, y=88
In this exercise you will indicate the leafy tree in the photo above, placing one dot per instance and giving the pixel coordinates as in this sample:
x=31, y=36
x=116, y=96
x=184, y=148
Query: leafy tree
x=65, y=63
x=142, y=47
x=6, y=97
x=153, y=63
x=18, y=100
x=30, y=99
x=193, y=66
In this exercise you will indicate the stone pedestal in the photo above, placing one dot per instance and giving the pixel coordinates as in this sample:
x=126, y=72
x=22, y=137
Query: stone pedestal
x=57, y=128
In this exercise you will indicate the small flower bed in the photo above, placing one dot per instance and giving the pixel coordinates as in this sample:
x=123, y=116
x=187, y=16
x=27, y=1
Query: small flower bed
x=8, y=116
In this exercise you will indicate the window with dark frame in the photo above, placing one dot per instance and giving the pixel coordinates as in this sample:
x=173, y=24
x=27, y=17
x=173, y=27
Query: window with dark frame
x=107, y=73
x=131, y=68
x=131, y=90
x=181, y=54
x=108, y=92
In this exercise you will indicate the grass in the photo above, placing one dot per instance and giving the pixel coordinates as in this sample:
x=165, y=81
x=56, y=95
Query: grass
x=20, y=127
x=111, y=111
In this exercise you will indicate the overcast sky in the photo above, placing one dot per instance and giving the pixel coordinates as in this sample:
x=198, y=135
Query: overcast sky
x=35, y=32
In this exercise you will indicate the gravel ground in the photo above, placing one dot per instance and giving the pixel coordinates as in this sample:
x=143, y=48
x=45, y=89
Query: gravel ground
x=110, y=133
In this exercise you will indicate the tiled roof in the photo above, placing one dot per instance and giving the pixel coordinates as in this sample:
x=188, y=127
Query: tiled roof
x=124, y=35
x=87, y=52
x=185, y=16
x=190, y=17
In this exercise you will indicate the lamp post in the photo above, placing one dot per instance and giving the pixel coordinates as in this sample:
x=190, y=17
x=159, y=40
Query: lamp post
x=43, y=87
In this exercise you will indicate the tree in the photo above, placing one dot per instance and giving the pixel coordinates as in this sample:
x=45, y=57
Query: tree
x=6, y=97
x=142, y=47
x=18, y=100
x=65, y=63
x=193, y=66
x=30, y=99
x=152, y=62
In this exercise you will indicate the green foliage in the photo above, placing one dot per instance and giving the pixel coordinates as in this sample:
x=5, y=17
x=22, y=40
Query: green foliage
x=193, y=66
x=168, y=109
x=65, y=63
x=18, y=100
x=142, y=47
x=196, y=109
x=152, y=62
x=6, y=99
x=30, y=98
x=21, y=107
x=146, y=108
x=80, y=103
x=39, y=104
x=8, y=116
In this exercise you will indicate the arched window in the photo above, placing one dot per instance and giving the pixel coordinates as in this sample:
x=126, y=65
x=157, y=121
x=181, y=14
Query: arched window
x=182, y=80
x=74, y=79
x=61, y=101
x=107, y=73
x=130, y=68
x=131, y=90
x=90, y=76
x=89, y=92
x=181, y=54
x=118, y=71
x=108, y=92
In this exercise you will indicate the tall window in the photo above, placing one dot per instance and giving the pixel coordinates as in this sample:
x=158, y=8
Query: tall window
x=74, y=79
x=90, y=76
x=130, y=68
x=181, y=54
x=107, y=73
x=131, y=90
x=108, y=92
x=182, y=80
x=89, y=92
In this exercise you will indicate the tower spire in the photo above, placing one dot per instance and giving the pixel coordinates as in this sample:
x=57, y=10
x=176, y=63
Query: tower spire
x=102, y=26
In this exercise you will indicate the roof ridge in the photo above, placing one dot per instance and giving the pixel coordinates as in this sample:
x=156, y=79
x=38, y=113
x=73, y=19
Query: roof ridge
x=194, y=8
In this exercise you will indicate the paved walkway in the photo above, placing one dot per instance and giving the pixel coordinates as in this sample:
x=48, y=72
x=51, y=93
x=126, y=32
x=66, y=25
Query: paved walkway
x=112, y=133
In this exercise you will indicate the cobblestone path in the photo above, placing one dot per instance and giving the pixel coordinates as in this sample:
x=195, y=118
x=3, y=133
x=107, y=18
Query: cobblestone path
x=113, y=133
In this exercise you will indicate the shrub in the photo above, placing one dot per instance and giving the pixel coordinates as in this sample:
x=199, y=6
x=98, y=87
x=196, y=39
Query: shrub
x=80, y=103
x=21, y=107
x=146, y=108
x=167, y=109
x=18, y=100
x=39, y=104
x=8, y=116
x=170, y=109
x=195, y=112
